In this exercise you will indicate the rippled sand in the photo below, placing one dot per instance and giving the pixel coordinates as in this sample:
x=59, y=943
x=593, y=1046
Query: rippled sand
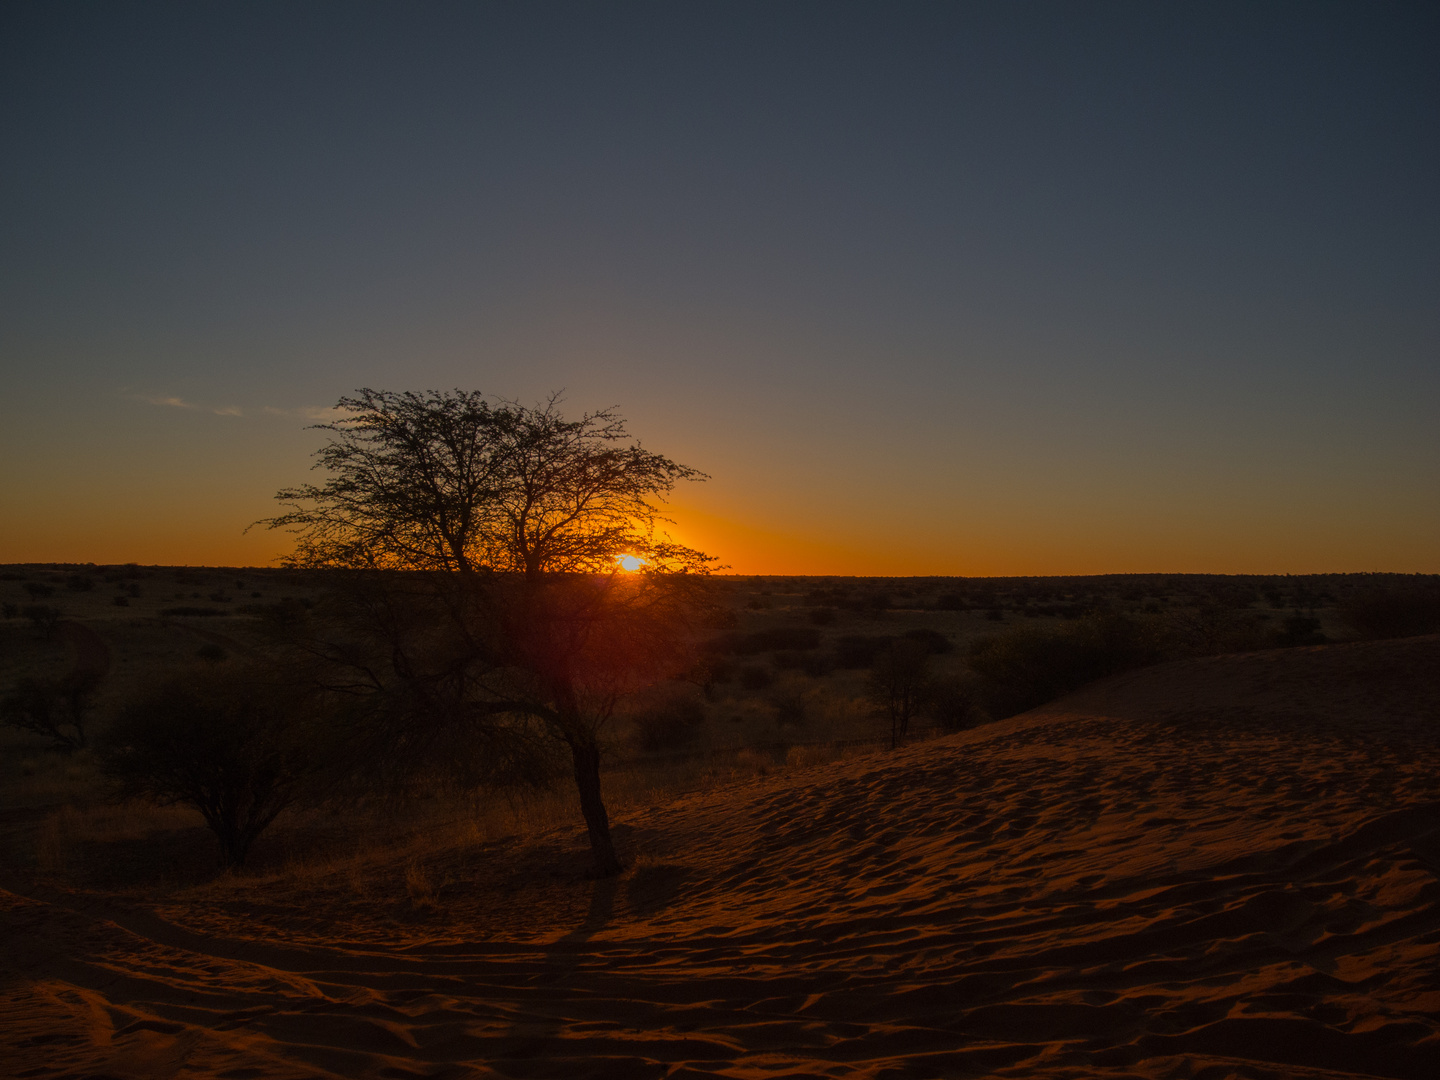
x=1214, y=868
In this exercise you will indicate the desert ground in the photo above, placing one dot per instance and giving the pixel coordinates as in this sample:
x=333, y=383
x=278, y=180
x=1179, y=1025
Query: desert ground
x=1218, y=866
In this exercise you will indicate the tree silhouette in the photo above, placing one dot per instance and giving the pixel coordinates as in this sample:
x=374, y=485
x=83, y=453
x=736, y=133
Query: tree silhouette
x=232, y=747
x=898, y=683
x=518, y=622
x=55, y=709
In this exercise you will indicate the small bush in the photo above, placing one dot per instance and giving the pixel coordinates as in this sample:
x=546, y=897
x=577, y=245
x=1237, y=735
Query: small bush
x=231, y=747
x=212, y=653
x=822, y=616
x=817, y=664
x=121, y=601
x=670, y=724
x=38, y=590
x=858, y=651
x=42, y=617
x=951, y=602
x=790, y=709
x=755, y=677
x=191, y=612
x=54, y=709
x=1300, y=630
x=792, y=638
x=10, y=611
x=80, y=583
x=954, y=703
x=935, y=642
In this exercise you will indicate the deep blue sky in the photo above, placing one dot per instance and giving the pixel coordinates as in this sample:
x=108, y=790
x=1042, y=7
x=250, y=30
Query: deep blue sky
x=1030, y=288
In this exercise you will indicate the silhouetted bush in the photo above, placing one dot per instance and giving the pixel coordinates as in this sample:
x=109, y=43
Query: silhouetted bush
x=934, y=641
x=1394, y=612
x=954, y=702
x=227, y=745
x=858, y=650
x=55, y=709
x=768, y=640
x=42, y=617
x=38, y=590
x=822, y=616
x=1030, y=665
x=898, y=683
x=10, y=611
x=212, y=653
x=191, y=612
x=951, y=602
x=80, y=583
x=790, y=709
x=1300, y=630
x=754, y=677
x=670, y=724
x=817, y=664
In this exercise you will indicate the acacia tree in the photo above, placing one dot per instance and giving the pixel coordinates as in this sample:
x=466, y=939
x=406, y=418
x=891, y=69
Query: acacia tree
x=517, y=518
x=898, y=684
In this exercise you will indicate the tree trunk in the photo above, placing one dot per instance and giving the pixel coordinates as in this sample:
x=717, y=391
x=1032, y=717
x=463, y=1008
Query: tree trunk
x=586, y=756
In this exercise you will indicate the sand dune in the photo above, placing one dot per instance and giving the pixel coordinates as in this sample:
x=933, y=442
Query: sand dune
x=1214, y=868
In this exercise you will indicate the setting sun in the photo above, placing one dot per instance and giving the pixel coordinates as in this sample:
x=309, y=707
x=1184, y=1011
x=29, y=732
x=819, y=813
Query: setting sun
x=630, y=563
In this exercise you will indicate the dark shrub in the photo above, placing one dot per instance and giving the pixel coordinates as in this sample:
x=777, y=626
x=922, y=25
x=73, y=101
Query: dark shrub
x=898, y=683
x=191, y=612
x=80, y=583
x=38, y=590
x=754, y=677
x=787, y=660
x=822, y=616
x=232, y=748
x=953, y=702
x=1300, y=630
x=995, y=615
x=212, y=653
x=44, y=618
x=933, y=640
x=10, y=611
x=951, y=602
x=55, y=709
x=121, y=601
x=789, y=709
x=670, y=724
x=769, y=640
x=818, y=664
x=1392, y=613
x=858, y=650
x=1031, y=665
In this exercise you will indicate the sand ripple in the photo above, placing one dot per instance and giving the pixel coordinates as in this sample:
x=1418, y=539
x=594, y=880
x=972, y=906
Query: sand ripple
x=1224, y=867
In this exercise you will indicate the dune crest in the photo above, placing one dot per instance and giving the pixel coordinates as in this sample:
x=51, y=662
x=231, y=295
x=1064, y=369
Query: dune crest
x=1219, y=867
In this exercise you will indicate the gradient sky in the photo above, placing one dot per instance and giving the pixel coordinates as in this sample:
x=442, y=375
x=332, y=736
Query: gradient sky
x=1005, y=288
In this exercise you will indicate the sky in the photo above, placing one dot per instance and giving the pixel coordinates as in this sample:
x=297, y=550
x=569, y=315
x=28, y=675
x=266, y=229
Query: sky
x=925, y=288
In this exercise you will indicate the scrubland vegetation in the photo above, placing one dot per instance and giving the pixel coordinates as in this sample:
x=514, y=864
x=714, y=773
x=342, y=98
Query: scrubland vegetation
x=789, y=672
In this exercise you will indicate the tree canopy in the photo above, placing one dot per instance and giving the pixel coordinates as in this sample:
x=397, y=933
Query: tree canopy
x=455, y=481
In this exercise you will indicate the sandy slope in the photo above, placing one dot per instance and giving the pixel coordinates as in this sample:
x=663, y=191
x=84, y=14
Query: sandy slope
x=1224, y=867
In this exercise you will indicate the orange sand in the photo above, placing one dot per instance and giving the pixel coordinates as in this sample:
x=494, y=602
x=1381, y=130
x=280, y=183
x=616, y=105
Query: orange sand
x=1214, y=868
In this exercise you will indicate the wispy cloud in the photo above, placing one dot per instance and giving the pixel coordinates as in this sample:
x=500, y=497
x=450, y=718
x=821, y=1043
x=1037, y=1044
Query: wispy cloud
x=305, y=412
x=173, y=402
x=180, y=403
